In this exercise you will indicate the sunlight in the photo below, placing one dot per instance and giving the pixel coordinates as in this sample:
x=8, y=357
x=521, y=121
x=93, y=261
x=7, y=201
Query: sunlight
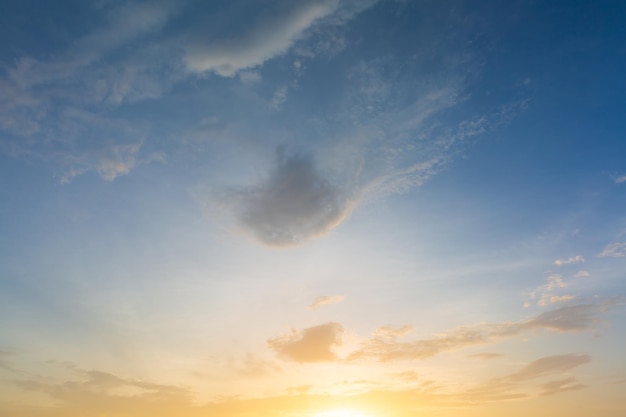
x=343, y=412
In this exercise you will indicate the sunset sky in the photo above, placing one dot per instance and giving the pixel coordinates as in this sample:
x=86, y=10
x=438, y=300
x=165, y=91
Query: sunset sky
x=313, y=208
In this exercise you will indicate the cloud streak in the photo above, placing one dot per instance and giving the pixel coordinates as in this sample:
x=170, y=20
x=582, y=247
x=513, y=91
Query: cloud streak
x=576, y=318
x=325, y=300
x=266, y=39
x=572, y=260
x=614, y=250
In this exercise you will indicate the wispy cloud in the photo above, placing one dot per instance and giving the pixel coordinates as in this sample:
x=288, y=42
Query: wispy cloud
x=548, y=366
x=515, y=385
x=582, y=274
x=325, y=300
x=267, y=38
x=56, y=108
x=253, y=366
x=314, y=344
x=575, y=318
x=547, y=299
x=572, y=260
x=614, y=250
x=619, y=179
x=561, y=385
x=545, y=293
x=486, y=355
x=94, y=391
x=110, y=162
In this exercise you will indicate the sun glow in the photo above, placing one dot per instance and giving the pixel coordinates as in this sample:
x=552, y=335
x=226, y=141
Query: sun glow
x=343, y=412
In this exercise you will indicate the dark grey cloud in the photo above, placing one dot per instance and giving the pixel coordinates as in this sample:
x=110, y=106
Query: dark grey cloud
x=292, y=205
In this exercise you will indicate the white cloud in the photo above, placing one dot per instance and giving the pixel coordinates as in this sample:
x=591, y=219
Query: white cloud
x=268, y=38
x=614, y=250
x=325, y=300
x=582, y=274
x=573, y=260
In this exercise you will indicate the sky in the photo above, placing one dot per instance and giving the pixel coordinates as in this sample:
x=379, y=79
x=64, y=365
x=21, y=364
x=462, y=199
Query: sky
x=314, y=208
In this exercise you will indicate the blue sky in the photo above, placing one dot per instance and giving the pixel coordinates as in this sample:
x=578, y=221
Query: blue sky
x=329, y=208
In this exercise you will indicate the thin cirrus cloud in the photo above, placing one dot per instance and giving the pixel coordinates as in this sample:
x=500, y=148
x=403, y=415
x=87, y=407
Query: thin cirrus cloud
x=511, y=386
x=549, y=365
x=110, y=162
x=561, y=385
x=582, y=274
x=294, y=204
x=266, y=39
x=56, y=107
x=619, y=179
x=325, y=300
x=487, y=355
x=613, y=250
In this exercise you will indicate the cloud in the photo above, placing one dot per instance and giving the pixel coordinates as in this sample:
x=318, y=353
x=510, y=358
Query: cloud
x=389, y=349
x=268, y=38
x=110, y=162
x=512, y=386
x=392, y=332
x=124, y=24
x=619, y=179
x=576, y=318
x=4, y=363
x=582, y=274
x=573, y=260
x=547, y=299
x=325, y=300
x=486, y=355
x=614, y=250
x=119, y=160
x=407, y=376
x=549, y=365
x=545, y=294
x=313, y=344
x=294, y=204
x=94, y=386
x=561, y=385
x=252, y=366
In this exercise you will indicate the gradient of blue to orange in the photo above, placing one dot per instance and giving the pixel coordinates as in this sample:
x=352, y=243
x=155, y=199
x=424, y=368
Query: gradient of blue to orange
x=321, y=208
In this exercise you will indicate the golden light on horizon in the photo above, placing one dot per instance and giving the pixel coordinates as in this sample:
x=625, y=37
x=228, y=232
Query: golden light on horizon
x=341, y=412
